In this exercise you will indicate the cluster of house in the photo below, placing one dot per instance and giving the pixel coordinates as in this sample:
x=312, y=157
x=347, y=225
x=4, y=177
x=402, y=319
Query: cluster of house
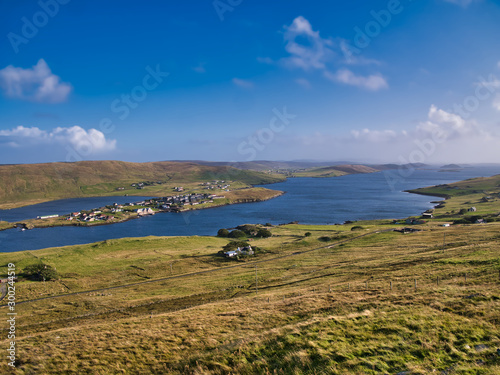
x=247, y=250
x=145, y=211
x=94, y=215
x=146, y=207
x=193, y=199
x=140, y=185
x=216, y=185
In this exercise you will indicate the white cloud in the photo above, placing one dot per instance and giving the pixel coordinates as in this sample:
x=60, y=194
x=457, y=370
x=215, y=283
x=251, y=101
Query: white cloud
x=444, y=136
x=462, y=3
x=306, y=47
x=351, y=59
x=310, y=52
x=37, y=84
x=496, y=102
x=492, y=84
x=372, y=82
x=243, y=83
x=303, y=82
x=85, y=142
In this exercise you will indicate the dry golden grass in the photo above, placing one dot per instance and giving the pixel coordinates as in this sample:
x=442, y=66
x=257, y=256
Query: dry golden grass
x=25, y=184
x=327, y=311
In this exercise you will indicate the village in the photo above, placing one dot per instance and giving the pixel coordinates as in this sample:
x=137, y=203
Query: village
x=175, y=203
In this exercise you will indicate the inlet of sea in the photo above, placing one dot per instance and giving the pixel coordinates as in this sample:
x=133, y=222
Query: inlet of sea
x=307, y=200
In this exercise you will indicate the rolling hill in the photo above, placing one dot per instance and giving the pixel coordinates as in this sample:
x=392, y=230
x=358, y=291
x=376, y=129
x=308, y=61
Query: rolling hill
x=24, y=184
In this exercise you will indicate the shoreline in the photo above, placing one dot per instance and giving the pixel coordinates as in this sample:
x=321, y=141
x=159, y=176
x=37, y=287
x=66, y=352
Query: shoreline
x=437, y=195
x=133, y=216
x=29, y=222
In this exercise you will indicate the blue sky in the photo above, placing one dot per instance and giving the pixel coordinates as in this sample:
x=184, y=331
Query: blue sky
x=366, y=81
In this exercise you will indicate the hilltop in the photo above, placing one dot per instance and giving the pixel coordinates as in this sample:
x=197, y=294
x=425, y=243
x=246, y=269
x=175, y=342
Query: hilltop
x=335, y=171
x=25, y=184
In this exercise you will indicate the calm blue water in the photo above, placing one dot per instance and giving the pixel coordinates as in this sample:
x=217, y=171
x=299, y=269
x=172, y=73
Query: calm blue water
x=307, y=200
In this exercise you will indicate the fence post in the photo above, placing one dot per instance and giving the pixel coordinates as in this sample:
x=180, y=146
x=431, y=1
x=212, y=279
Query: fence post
x=256, y=287
x=415, y=284
x=391, y=285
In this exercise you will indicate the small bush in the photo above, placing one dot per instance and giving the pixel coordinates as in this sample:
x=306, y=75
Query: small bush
x=357, y=227
x=237, y=234
x=264, y=233
x=249, y=229
x=223, y=233
x=307, y=234
x=40, y=272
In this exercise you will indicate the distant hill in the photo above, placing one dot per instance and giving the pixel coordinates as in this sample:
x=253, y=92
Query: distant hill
x=33, y=183
x=451, y=166
x=334, y=171
x=262, y=165
x=384, y=167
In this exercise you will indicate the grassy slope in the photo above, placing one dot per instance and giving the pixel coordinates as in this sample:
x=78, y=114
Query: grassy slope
x=294, y=325
x=34, y=183
x=335, y=171
x=466, y=194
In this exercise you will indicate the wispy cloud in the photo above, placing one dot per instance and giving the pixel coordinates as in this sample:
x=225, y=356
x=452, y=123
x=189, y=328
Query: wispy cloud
x=309, y=52
x=36, y=84
x=312, y=52
x=92, y=141
x=372, y=82
x=303, y=82
x=351, y=59
x=243, y=83
x=496, y=102
x=462, y=3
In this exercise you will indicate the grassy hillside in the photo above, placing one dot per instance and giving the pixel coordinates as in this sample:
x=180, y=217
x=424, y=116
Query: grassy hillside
x=479, y=185
x=33, y=183
x=383, y=303
x=482, y=193
x=334, y=171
